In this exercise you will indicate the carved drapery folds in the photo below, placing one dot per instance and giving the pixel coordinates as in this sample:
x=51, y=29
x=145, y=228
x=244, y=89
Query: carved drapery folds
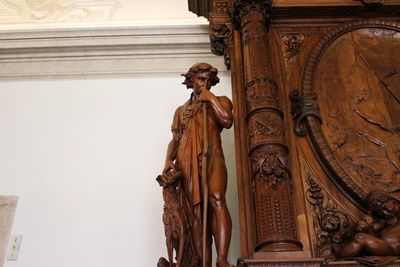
x=268, y=153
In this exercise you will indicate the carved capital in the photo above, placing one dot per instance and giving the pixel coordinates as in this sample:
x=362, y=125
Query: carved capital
x=302, y=107
x=251, y=10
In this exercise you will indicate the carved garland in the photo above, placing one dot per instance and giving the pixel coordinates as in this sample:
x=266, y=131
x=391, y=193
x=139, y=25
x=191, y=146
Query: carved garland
x=306, y=109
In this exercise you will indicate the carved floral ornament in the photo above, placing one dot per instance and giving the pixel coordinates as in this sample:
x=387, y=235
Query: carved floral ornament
x=356, y=76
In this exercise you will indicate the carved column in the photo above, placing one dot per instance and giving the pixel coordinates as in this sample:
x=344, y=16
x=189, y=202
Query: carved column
x=268, y=153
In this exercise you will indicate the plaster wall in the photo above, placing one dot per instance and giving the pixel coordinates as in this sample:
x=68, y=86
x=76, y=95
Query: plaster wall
x=82, y=156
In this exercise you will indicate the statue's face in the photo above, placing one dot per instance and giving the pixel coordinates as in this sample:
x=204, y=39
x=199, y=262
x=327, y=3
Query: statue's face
x=390, y=208
x=201, y=81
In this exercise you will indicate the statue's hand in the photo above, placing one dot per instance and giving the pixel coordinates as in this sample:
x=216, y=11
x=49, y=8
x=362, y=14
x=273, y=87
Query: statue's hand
x=206, y=95
x=369, y=220
x=169, y=165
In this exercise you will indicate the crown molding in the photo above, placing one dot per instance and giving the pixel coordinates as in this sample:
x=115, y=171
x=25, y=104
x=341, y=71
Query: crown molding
x=103, y=51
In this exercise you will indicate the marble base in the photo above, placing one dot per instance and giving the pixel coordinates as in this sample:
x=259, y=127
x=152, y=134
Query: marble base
x=8, y=205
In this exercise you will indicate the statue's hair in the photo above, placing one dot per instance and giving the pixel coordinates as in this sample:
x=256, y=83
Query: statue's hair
x=200, y=67
x=376, y=198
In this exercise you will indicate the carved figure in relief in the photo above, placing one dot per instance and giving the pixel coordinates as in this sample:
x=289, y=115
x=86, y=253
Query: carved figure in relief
x=363, y=127
x=379, y=233
x=204, y=182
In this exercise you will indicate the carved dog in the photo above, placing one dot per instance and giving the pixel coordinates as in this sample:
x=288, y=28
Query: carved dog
x=176, y=222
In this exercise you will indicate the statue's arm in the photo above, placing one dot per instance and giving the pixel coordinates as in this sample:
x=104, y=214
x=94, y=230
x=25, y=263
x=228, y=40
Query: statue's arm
x=171, y=156
x=172, y=149
x=222, y=107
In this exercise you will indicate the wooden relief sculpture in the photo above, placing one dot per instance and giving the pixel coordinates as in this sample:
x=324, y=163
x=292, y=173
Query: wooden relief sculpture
x=354, y=71
x=378, y=234
x=195, y=168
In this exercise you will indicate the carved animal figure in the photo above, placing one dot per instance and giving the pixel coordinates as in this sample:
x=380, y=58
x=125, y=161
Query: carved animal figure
x=176, y=223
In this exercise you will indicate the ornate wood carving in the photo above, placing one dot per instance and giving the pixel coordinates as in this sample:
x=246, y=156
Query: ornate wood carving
x=268, y=153
x=221, y=30
x=292, y=43
x=302, y=107
x=358, y=142
x=220, y=38
x=332, y=226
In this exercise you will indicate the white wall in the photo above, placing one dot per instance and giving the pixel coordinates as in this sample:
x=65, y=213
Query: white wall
x=83, y=155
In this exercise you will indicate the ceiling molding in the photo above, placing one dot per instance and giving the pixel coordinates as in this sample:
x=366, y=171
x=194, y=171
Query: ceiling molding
x=103, y=52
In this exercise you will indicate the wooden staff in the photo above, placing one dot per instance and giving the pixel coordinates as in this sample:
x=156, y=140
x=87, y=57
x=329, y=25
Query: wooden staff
x=204, y=181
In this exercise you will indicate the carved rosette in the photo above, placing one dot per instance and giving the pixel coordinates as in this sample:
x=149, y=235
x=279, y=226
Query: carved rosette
x=271, y=179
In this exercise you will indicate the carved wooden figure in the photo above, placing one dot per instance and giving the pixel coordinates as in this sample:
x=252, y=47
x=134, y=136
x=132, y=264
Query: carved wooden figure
x=175, y=218
x=378, y=234
x=195, y=151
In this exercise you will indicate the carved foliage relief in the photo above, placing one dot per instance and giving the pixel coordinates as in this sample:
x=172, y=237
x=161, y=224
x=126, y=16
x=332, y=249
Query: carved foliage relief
x=331, y=224
x=358, y=81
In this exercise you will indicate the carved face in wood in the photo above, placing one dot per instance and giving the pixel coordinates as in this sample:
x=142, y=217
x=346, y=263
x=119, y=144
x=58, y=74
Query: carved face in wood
x=382, y=205
x=201, y=81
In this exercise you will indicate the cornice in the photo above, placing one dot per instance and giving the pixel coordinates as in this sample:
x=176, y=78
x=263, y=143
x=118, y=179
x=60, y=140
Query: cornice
x=103, y=51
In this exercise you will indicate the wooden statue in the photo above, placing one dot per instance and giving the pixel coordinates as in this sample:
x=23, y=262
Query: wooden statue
x=195, y=156
x=378, y=234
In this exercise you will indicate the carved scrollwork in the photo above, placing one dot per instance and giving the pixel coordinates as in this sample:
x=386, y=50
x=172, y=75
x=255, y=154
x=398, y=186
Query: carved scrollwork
x=220, y=38
x=332, y=227
x=302, y=107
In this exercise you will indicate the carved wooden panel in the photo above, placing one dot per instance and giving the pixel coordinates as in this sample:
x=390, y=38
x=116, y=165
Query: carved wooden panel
x=354, y=72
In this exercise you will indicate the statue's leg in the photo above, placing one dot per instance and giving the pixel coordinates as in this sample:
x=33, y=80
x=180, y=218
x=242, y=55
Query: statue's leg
x=170, y=249
x=370, y=244
x=221, y=227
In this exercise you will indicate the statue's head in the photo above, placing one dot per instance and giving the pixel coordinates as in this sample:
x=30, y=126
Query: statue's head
x=381, y=204
x=200, y=68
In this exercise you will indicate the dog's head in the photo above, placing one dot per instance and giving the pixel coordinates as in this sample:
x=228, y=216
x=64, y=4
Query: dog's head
x=170, y=178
